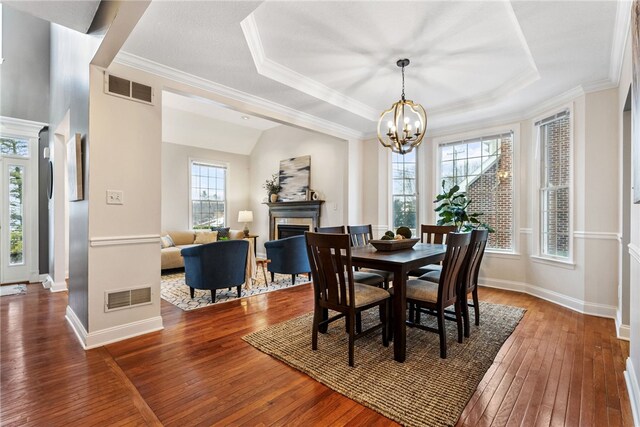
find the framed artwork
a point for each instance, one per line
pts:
(635, 98)
(294, 178)
(74, 168)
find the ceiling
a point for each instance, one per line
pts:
(76, 15)
(470, 61)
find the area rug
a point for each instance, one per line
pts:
(12, 290)
(173, 289)
(425, 390)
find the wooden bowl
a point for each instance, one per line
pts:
(393, 245)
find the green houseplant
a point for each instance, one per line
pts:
(273, 187)
(452, 210)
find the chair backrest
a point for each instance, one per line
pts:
(288, 255)
(435, 233)
(338, 229)
(457, 246)
(469, 275)
(332, 273)
(216, 265)
(360, 234)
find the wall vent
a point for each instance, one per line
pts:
(123, 88)
(125, 298)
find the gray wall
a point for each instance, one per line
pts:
(24, 75)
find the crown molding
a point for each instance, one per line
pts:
(281, 74)
(620, 33)
(274, 109)
(20, 127)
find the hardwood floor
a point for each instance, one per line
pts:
(558, 368)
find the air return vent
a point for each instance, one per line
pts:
(114, 85)
(125, 298)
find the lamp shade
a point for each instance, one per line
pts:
(245, 216)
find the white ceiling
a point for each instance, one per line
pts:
(75, 14)
(470, 61)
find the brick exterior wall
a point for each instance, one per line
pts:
(493, 196)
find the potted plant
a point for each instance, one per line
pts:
(452, 210)
(273, 187)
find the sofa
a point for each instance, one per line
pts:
(171, 258)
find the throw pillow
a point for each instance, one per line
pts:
(223, 232)
(166, 242)
(204, 237)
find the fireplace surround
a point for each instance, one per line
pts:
(281, 211)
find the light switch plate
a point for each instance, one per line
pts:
(115, 197)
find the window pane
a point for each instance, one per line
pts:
(207, 195)
(404, 192)
(16, 211)
(14, 147)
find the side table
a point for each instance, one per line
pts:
(262, 262)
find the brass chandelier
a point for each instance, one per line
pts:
(406, 122)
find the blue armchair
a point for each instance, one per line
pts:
(288, 256)
(216, 265)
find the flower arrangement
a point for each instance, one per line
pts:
(272, 185)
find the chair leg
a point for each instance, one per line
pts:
(293, 279)
(192, 292)
(239, 290)
(213, 295)
(317, 318)
(324, 313)
(465, 315)
(384, 314)
(443, 334)
(358, 322)
(476, 305)
(264, 273)
(412, 310)
(459, 319)
(418, 313)
(352, 334)
(273, 276)
(385, 284)
(390, 320)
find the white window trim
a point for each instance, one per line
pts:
(538, 256)
(495, 130)
(390, 192)
(214, 163)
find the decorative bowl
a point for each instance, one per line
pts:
(393, 245)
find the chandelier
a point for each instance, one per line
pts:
(405, 122)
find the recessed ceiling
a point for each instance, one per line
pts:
(470, 61)
(76, 15)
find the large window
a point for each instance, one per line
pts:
(208, 195)
(554, 138)
(404, 193)
(483, 168)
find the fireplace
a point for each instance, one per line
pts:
(302, 216)
(289, 230)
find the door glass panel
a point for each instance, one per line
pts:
(14, 147)
(16, 214)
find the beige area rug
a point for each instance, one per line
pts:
(424, 391)
(173, 289)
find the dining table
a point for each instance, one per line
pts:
(400, 263)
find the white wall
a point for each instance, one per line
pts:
(175, 183)
(328, 173)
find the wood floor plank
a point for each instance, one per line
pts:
(558, 367)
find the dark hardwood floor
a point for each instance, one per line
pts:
(558, 368)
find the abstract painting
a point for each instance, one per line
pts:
(635, 98)
(294, 178)
(74, 168)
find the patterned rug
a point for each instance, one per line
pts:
(425, 390)
(173, 289)
(7, 290)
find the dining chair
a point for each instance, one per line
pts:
(335, 289)
(366, 277)
(435, 234)
(360, 236)
(433, 298)
(468, 279)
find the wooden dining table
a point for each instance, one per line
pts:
(400, 263)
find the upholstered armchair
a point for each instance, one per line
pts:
(288, 256)
(216, 265)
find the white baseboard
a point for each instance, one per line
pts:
(114, 334)
(633, 390)
(622, 331)
(594, 309)
(58, 286)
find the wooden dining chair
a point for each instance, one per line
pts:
(360, 236)
(366, 277)
(437, 235)
(468, 279)
(335, 289)
(433, 298)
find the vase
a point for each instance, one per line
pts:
(274, 198)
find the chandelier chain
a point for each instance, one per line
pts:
(403, 82)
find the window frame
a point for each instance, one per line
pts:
(515, 171)
(538, 255)
(391, 194)
(213, 163)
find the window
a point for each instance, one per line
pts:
(208, 195)
(14, 147)
(483, 168)
(404, 194)
(554, 138)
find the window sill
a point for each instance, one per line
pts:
(504, 255)
(569, 265)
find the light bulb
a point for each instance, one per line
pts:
(406, 119)
(393, 128)
(408, 127)
(417, 124)
(389, 124)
